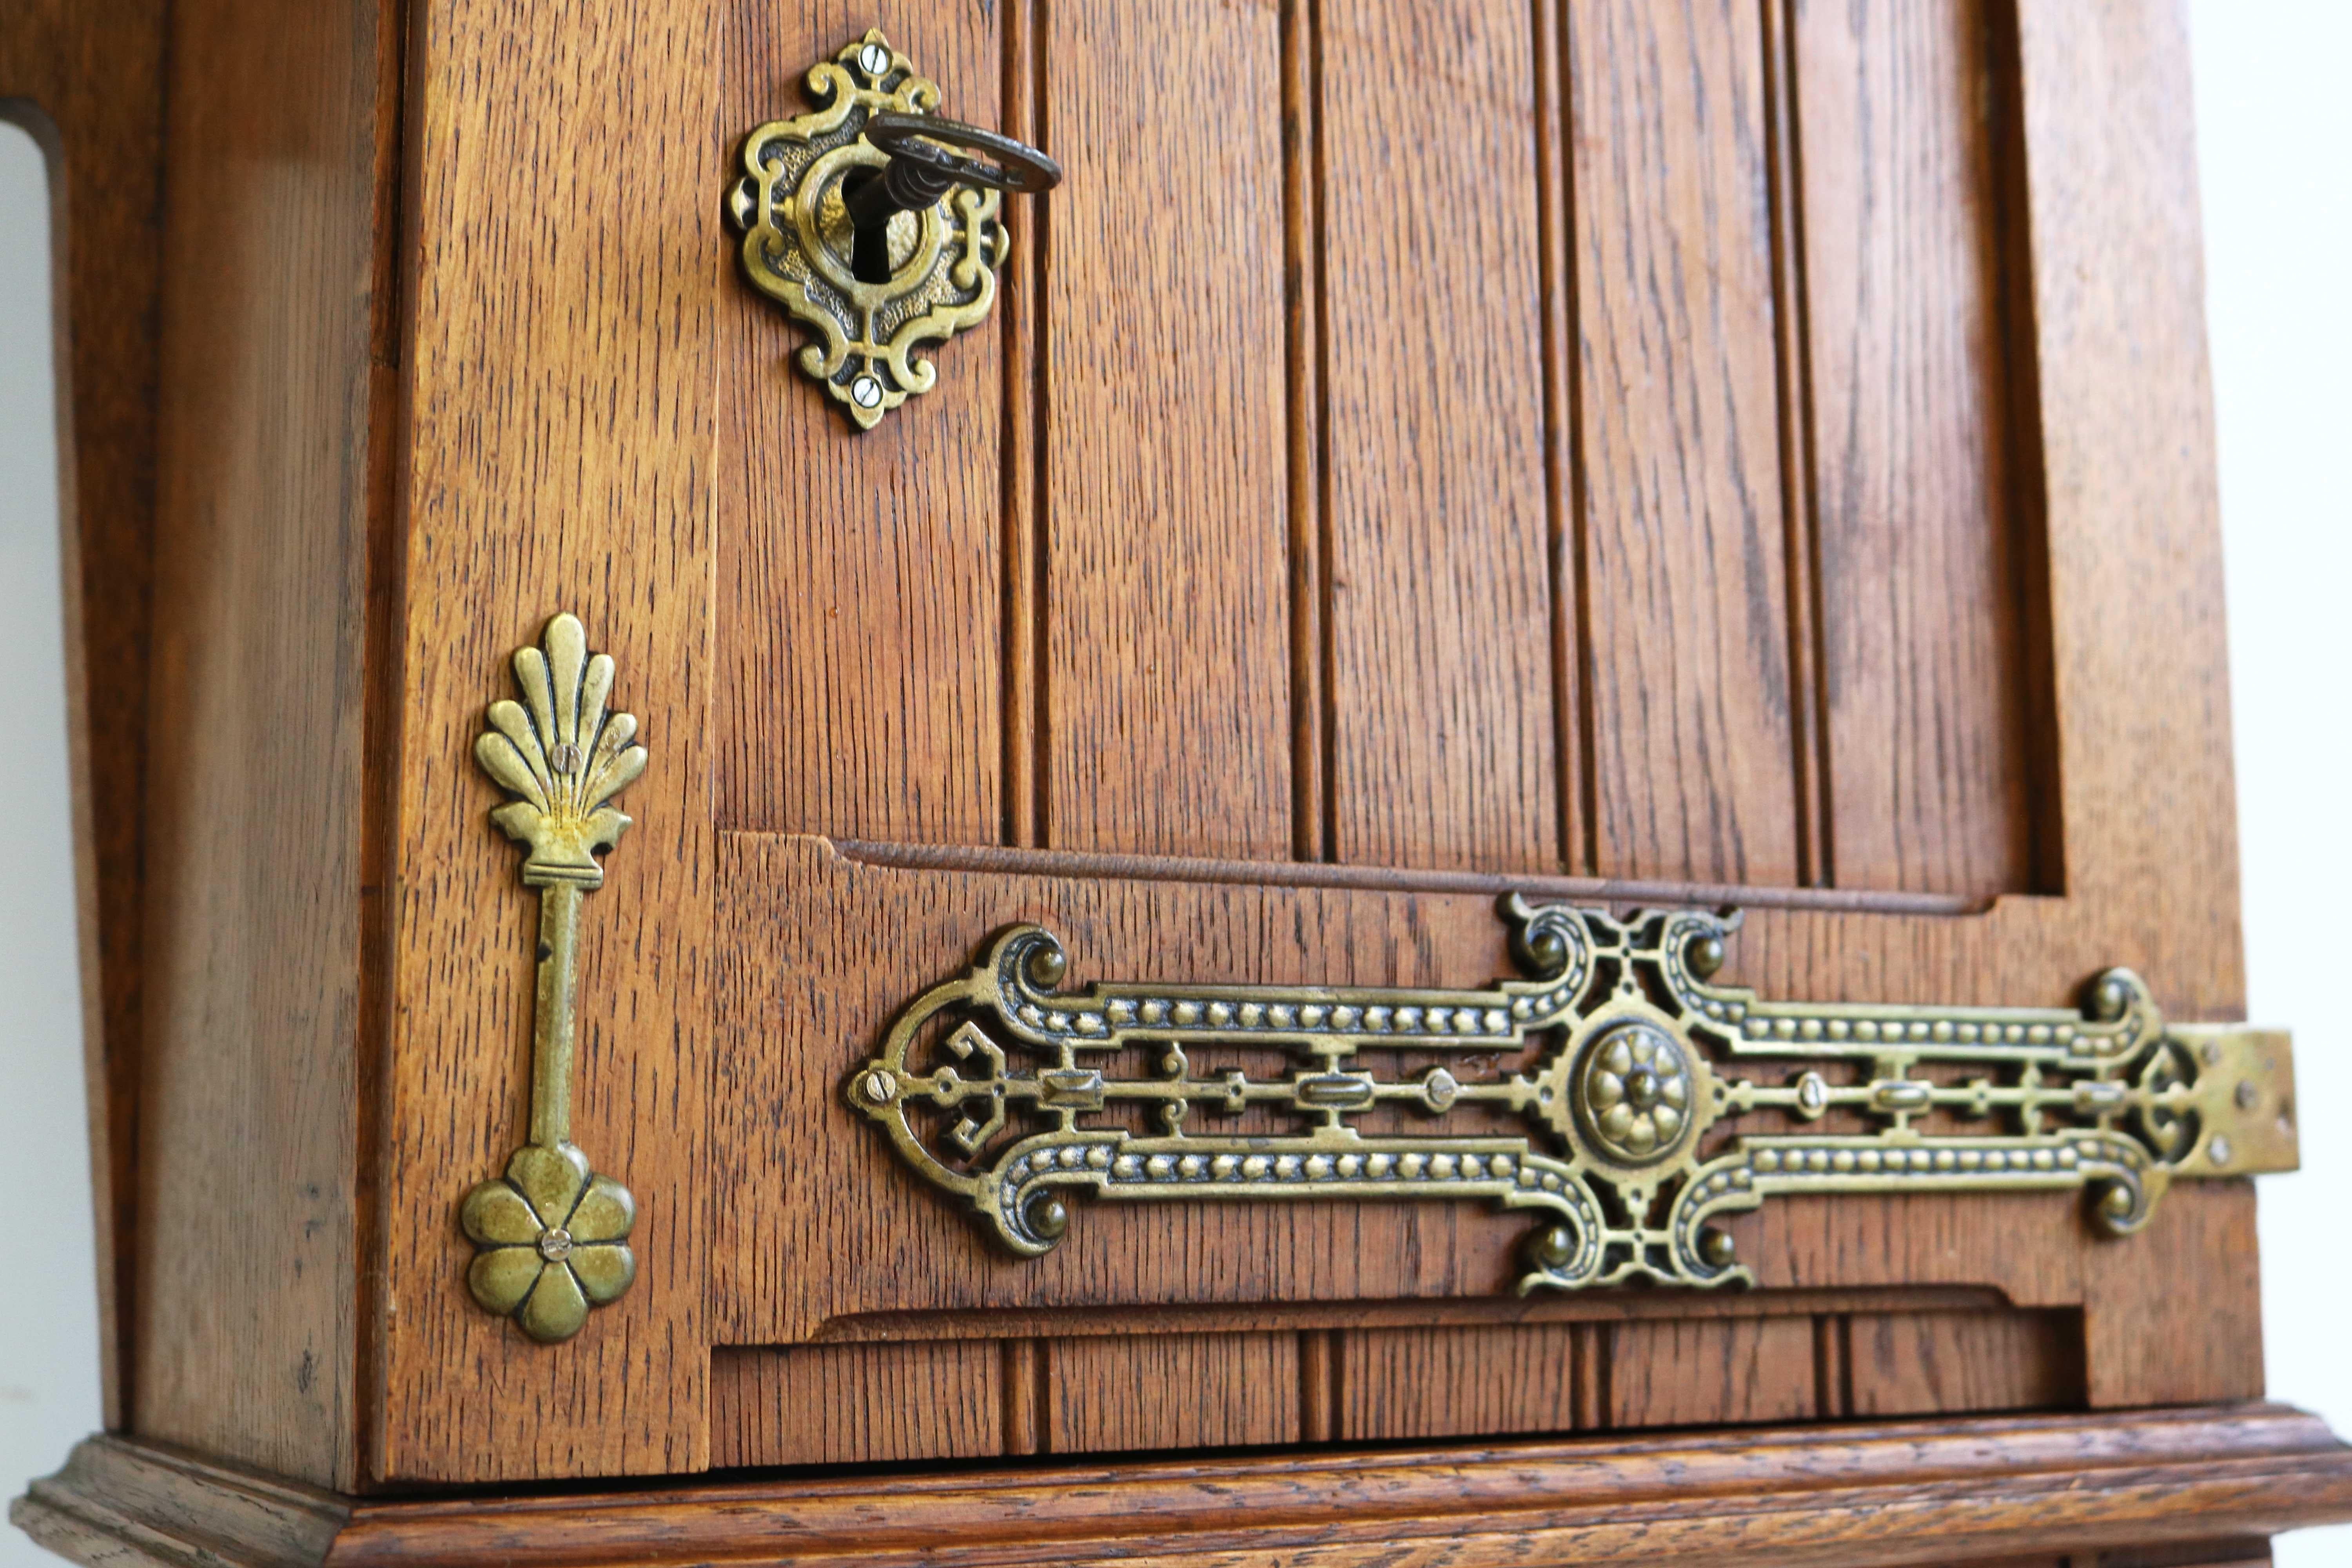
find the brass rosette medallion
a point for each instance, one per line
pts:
(799, 243)
(551, 1236)
(1595, 1093)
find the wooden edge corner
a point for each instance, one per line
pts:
(119, 1500)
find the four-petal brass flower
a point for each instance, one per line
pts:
(551, 1235)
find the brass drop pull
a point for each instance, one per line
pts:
(551, 1236)
(874, 223)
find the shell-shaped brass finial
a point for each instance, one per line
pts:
(563, 757)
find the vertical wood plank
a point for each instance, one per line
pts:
(1711, 1371)
(1023, 1382)
(1458, 1381)
(1166, 578)
(1173, 1391)
(561, 437)
(1021, 314)
(1443, 741)
(1686, 578)
(1950, 1364)
(1305, 299)
(247, 1312)
(859, 681)
(1913, 479)
(829, 1405)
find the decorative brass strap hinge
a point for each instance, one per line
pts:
(551, 1236)
(1617, 1094)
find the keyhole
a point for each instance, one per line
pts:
(869, 249)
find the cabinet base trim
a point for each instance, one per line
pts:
(1850, 1496)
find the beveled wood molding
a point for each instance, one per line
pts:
(1841, 1496)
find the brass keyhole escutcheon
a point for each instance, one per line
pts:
(877, 224)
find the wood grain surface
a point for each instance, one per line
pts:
(2136, 1491)
(1901, 110)
(1439, 608)
(251, 1227)
(1678, 429)
(1635, 493)
(858, 574)
(451, 339)
(560, 437)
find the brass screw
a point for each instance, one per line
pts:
(1705, 956)
(1549, 952)
(1554, 1248)
(1716, 1248)
(2117, 1200)
(1046, 967)
(1049, 1217)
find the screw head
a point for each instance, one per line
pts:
(1049, 1217)
(874, 59)
(2117, 1200)
(2219, 1150)
(1046, 966)
(865, 392)
(1547, 951)
(564, 757)
(879, 1088)
(1705, 956)
(1717, 1248)
(2249, 1095)
(555, 1246)
(1553, 1249)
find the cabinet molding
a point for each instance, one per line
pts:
(1862, 1497)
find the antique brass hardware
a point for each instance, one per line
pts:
(871, 220)
(551, 1236)
(1593, 1093)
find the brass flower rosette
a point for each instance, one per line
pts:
(1616, 1093)
(550, 1235)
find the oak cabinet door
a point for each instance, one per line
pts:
(1622, 455)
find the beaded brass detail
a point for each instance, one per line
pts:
(1591, 1093)
(549, 1234)
(799, 243)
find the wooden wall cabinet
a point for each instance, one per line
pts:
(1622, 454)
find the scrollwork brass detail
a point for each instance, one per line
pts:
(1593, 1093)
(551, 1236)
(799, 243)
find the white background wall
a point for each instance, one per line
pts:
(2275, 126)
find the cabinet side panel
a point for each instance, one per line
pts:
(246, 1317)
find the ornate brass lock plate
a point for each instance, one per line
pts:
(1616, 1094)
(799, 244)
